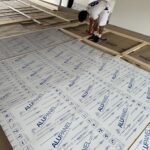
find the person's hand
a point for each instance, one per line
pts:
(90, 32)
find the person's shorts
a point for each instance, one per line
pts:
(95, 11)
(103, 17)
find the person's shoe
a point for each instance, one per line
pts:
(96, 39)
(91, 37)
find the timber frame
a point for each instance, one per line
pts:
(126, 55)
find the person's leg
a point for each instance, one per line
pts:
(102, 21)
(90, 28)
(100, 31)
(98, 35)
(95, 26)
(94, 29)
(91, 23)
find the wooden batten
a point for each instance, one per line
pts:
(140, 57)
(118, 43)
(135, 48)
(103, 48)
(127, 36)
(77, 30)
(115, 43)
(43, 10)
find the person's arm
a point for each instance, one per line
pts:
(109, 18)
(91, 23)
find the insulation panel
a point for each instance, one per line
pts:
(56, 86)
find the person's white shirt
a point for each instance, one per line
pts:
(97, 9)
(101, 10)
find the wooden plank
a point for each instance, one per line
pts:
(16, 4)
(10, 15)
(114, 45)
(13, 29)
(52, 21)
(142, 54)
(134, 48)
(63, 13)
(46, 22)
(33, 13)
(33, 16)
(39, 15)
(140, 57)
(137, 63)
(29, 26)
(3, 11)
(101, 47)
(129, 32)
(114, 41)
(48, 12)
(27, 16)
(29, 10)
(66, 13)
(14, 16)
(117, 42)
(3, 6)
(79, 30)
(127, 36)
(10, 21)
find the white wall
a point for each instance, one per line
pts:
(57, 2)
(133, 15)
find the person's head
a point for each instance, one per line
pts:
(82, 15)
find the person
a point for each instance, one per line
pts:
(98, 12)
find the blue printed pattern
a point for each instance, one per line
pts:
(70, 95)
(143, 142)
